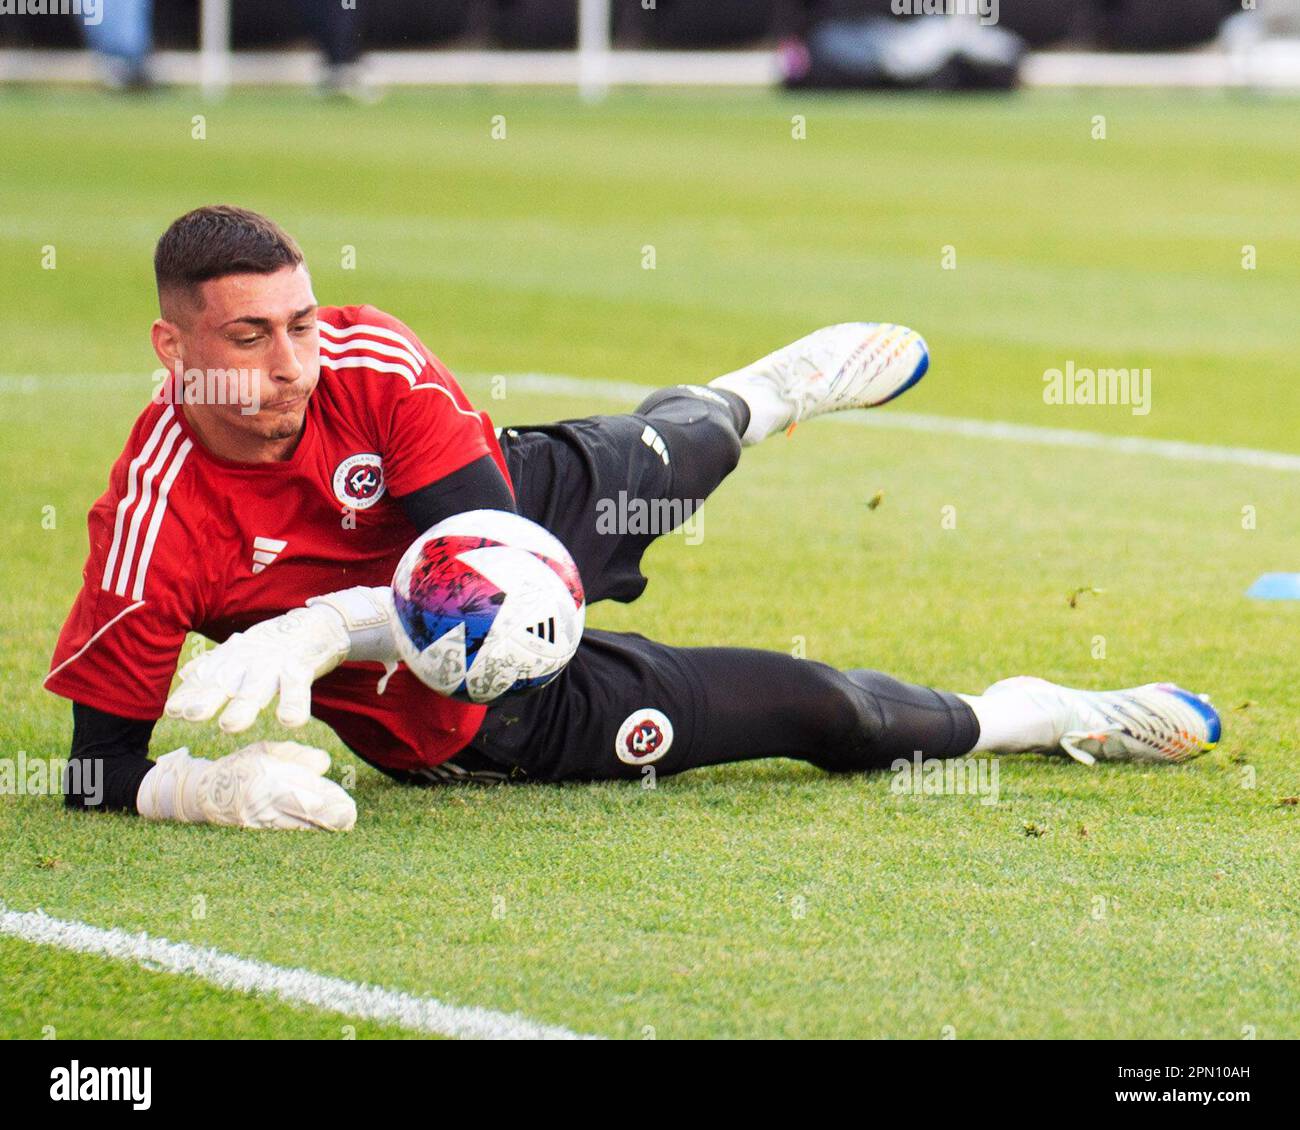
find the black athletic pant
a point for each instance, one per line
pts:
(625, 702)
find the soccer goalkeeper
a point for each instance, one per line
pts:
(268, 507)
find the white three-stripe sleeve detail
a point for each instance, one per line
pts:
(124, 506)
(340, 337)
(142, 508)
(404, 371)
(345, 348)
(336, 354)
(158, 511)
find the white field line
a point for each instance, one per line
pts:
(551, 384)
(554, 384)
(297, 986)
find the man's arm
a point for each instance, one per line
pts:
(111, 758)
(284, 655)
(476, 486)
(265, 785)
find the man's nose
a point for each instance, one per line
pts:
(285, 365)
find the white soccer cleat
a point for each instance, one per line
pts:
(1158, 722)
(851, 365)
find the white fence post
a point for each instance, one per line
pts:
(214, 47)
(593, 49)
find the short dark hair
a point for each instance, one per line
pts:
(218, 240)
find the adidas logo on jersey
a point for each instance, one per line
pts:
(266, 550)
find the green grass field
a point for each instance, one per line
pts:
(756, 900)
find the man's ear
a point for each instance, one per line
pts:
(166, 337)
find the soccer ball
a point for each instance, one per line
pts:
(488, 603)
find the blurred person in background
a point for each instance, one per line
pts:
(123, 40)
(336, 28)
(1253, 25)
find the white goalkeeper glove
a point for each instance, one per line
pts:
(264, 785)
(283, 656)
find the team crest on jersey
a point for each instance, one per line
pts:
(359, 481)
(645, 736)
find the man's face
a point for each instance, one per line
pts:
(261, 326)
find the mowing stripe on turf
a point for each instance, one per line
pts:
(297, 986)
(556, 384)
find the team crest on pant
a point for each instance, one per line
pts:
(359, 481)
(645, 736)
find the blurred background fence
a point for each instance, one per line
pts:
(598, 43)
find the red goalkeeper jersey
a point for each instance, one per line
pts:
(185, 541)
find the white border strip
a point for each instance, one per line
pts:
(297, 986)
(412, 68)
(1272, 65)
(551, 384)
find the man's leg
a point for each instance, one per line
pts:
(625, 703)
(608, 486)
